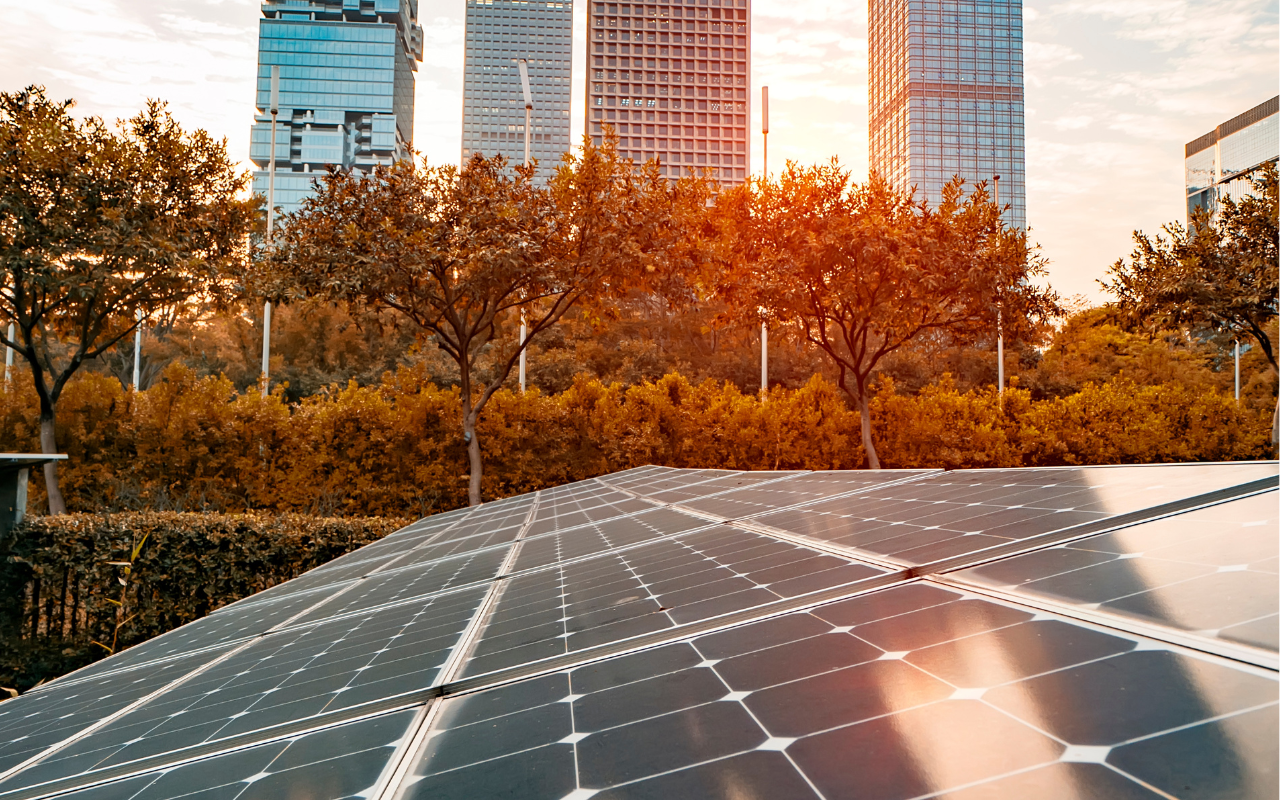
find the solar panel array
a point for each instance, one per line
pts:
(655, 633)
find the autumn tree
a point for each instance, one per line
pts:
(102, 228)
(860, 271)
(463, 253)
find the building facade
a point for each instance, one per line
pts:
(498, 33)
(673, 79)
(346, 89)
(1222, 162)
(946, 96)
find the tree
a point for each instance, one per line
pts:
(463, 253)
(1217, 276)
(102, 228)
(862, 270)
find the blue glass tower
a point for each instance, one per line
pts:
(946, 96)
(346, 89)
(499, 32)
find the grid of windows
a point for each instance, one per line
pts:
(946, 96)
(346, 89)
(499, 32)
(673, 81)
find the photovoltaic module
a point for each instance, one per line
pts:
(667, 633)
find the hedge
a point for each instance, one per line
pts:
(68, 596)
(396, 449)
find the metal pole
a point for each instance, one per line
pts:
(764, 358)
(271, 214)
(999, 317)
(764, 126)
(764, 329)
(1237, 370)
(137, 353)
(522, 65)
(8, 356)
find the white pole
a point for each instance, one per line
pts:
(137, 353)
(1237, 369)
(764, 358)
(764, 125)
(271, 213)
(8, 356)
(523, 67)
(999, 317)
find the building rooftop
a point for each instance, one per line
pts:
(1060, 632)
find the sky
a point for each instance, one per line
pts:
(1114, 90)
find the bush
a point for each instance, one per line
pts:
(62, 603)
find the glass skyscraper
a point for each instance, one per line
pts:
(498, 33)
(1222, 162)
(346, 89)
(673, 78)
(946, 96)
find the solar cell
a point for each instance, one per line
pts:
(558, 516)
(906, 692)
(942, 516)
(717, 485)
(1211, 572)
(648, 588)
(340, 762)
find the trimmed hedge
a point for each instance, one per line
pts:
(62, 578)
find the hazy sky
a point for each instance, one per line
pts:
(1114, 90)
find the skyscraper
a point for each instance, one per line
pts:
(946, 96)
(674, 80)
(346, 88)
(1222, 162)
(498, 33)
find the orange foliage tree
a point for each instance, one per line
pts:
(862, 270)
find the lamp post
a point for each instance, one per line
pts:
(999, 314)
(1237, 370)
(271, 213)
(137, 352)
(8, 357)
(523, 66)
(764, 329)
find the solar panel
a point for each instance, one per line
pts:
(1067, 632)
(942, 516)
(1210, 572)
(906, 692)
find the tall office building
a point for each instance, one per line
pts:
(1222, 162)
(346, 89)
(946, 96)
(498, 33)
(674, 80)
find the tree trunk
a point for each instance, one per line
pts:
(49, 446)
(473, 456)
(864, 411)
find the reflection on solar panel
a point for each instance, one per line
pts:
(1074, 632)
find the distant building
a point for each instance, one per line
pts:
(1221, 163)
(674, 80)
(498, 33)
(346, 89)
(946, 96)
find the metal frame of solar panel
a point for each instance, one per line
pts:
(1100, 631)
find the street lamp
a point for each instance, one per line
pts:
(523, 66)
(764, 329)
(271, 213)
(999, 313)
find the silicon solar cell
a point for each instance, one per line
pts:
(1118, 640)
(1212, 572)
